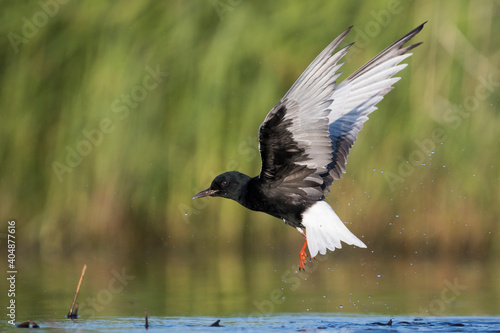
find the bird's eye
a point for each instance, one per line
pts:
(224, 183)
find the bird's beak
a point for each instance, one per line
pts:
(205, 193)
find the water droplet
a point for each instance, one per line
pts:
(378, 275)
(341, 306)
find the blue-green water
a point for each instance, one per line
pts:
(279, 323)
(350, 294)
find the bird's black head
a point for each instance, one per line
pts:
(229, 185)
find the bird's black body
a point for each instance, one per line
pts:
(305, 140)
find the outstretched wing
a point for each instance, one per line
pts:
(355, 98)
(305, 139)
(293, 139)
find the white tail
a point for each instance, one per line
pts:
(324, 230)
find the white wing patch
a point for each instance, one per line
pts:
(325, 231)
(358, 97)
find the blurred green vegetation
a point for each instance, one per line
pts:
(99, 157)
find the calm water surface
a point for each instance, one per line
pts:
(337, 292)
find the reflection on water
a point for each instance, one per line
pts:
(221, 286)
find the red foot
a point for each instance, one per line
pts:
(303, 255)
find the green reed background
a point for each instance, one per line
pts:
(422, 178)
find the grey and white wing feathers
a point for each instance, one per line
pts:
(305, 139)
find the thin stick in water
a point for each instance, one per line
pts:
(72, 314)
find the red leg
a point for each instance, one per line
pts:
(303, 255)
